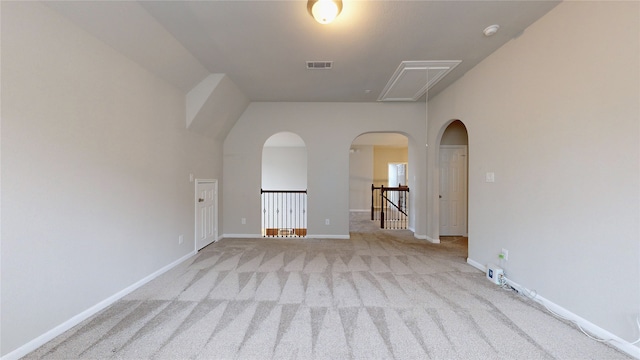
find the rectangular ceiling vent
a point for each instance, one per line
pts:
(319, 65)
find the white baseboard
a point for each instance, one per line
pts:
(77, 319)
(360, 210)
(419, 236)
(432, 240)
(254, 236)
(476, 265)
(241, 236)
(343, 237)
(425, 237)
(585, 324)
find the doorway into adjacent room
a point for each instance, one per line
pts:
(206, 212)
(453, 191)
(378, 179)
(284, 186)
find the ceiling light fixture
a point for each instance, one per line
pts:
(324, 11)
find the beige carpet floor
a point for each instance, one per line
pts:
(379, 295)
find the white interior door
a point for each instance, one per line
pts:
(206, 212)
(453, 190)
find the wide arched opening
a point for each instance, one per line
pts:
(284, 186)
(379, 180)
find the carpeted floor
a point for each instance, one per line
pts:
(379, 295)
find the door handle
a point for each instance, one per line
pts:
(200, 200)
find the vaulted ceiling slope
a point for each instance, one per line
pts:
(262, 46)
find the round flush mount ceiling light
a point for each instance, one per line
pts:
(491, 30)
(324, 11)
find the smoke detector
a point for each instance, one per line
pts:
(491, 30)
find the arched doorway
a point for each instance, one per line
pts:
(284, 186)
(453, 180)
(380, 160)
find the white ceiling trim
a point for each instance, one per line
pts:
(412, 79)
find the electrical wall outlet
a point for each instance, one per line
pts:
(327, 222)
(504, 254)
(243, 221)
(180, 239)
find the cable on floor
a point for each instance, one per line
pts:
(533, 294)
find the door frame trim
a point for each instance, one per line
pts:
(195, 210)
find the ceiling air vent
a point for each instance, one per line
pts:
(313, 65)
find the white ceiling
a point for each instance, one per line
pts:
(262, 46)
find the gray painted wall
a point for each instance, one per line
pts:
(555, 115)
(95, 172)
(284, 168)
(455, 134)
(95, 160)
(360, 177)
(328, 129)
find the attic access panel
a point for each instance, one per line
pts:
(412, 79)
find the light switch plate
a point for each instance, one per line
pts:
(491, 177)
